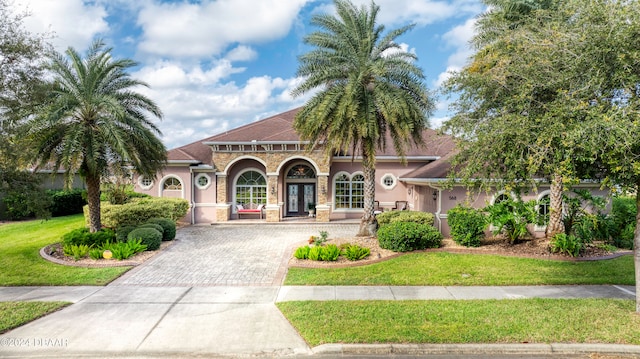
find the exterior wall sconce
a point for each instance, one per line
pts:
(323, 189)
(409, 191)
(273, 190)
(435, 195)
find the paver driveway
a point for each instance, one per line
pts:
(229, 255)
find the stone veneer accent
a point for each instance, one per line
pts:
(273, 160)
(223, 212)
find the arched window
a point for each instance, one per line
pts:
(251, 188)
(172, 183)
(544, 204)
(300, 172)
(349, 191)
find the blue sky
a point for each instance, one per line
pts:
(213, 65)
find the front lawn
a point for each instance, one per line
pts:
(466, 321)
(469, 269)
(15, 314)
(20, 260)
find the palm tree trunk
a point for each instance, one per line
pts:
(636, 246)
(93, 199)
(555, 224)
(368, 224)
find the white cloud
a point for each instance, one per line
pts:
(241, 53)
(207, 28)
(197, 104)
(436, 122)
(422, 12)
(458, 40)
(74, 22)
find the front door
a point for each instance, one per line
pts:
(299, 195)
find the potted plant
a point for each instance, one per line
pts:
(312, 209)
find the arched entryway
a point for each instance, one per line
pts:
(300, 189)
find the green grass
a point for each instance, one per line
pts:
(15, 314)
(469, 269)
(20, 260)
(473, 321)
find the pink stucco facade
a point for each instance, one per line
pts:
(265, 166)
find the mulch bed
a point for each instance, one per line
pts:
(55, 254)
(533, 248)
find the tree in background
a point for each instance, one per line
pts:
(554, 94)
(523, 91)
(610, 138)
(94, 121)
(368, 90)
(21, 73)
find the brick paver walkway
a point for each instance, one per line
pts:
(229, 255)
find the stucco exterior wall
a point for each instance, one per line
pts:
(385, 195)
(449, 198)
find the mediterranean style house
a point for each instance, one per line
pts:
(263, 170)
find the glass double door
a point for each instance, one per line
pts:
(299, 195)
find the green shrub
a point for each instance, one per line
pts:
(329, 253)
(408, 236)
(148, 236)
(124, 250)
(315, 253)
(83, 236)
(512, 217)
(354, 252)
(302, 252)
(76, 251)
(623, 216)
(566, 244)
(64, 203)
(22, 195)
(386, 218)
(168, 226)
(625, 238)
(467, 225)
(140, 210)
(95, 253)
(155, 226)
(123, 232)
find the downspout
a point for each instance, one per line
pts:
(193, 204)
(439, 205)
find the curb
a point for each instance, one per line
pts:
(474, 349)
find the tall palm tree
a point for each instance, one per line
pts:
(368, 90)
(94, 122)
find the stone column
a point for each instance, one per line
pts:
(272, 209)
(322, 208)
(223, 209)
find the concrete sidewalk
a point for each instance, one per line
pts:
(240, 321)
(241, 294)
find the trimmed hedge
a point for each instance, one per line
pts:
(140, 210)
(123, 232)
(65, 203)
(148, 236)
(168, 228)
(467, 225)
(408, 236)
(386, 218)
(155, 226)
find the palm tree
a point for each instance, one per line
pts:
(368, 90)
(94, 122)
